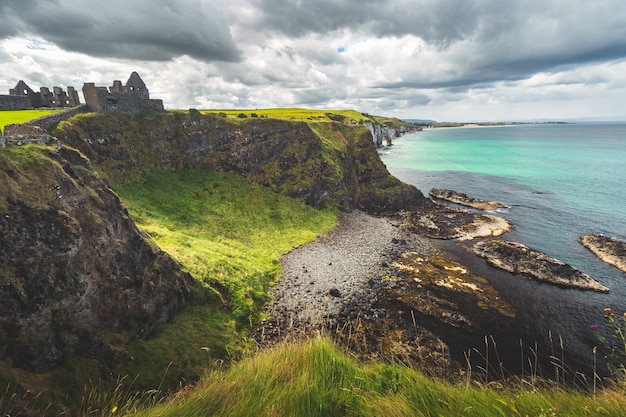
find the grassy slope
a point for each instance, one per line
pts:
(315, 379)
(219, 227)
(224, 230)
(229, 235)
(8, 117)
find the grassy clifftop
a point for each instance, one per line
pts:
(324, 163)
(313, 378)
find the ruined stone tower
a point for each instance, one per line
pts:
(131, 98)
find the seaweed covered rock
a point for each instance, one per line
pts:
(520, 259)
(464, 200)
(608, 249)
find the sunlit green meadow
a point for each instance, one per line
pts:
(8, 117)
(224, 230)
(230, 236)
(293, 114)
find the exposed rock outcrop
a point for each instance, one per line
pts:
(441, 222)
(610, 250)
(464, 200)
(382, 290)
(73, 265)
(341, 169)
(520, 259)
(384, 135)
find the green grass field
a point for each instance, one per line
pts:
(312, 117)
(8, 117)
(224, 230)
(294, 114)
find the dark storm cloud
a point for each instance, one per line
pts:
(438, 22)
(484, 40)
(154, 30)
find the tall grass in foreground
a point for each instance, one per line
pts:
(313, 378)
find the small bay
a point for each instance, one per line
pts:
(560, 181)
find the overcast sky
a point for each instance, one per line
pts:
(447, 60)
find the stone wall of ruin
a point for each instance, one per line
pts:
(15, 103)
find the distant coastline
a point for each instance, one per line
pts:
(465, 126)
(452, 125)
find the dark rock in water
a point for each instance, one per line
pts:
(610, 250)
(464, 200)
(520, 259)
(437, 221)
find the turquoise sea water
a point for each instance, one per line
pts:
(560, 182)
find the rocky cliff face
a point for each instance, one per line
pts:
(335, 164)
(384, 135)
(74, 267)
(73, 264)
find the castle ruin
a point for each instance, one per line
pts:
(22, 97)
(131, 98)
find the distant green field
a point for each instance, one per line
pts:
(8, 117)
(351, 116)
(347, 117)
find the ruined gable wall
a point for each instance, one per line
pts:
(131, 98)
(100, 100)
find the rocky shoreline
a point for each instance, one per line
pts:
(380, 286)
(465, 200)
(610, 250)
(364, 285)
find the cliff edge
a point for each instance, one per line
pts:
(74, 267)
(321, 163)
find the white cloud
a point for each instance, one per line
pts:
(452, 60)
